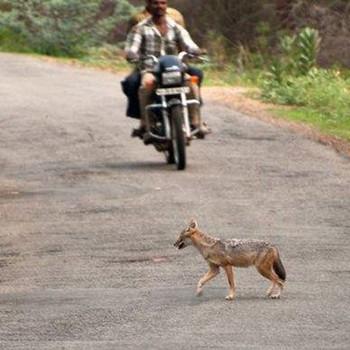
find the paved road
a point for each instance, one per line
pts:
(88, 217)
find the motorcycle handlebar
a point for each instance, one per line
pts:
(153, 60)
(199, 57)
(181, 56)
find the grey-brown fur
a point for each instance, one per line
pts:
(234, 253)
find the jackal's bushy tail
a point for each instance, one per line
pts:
(279, 268)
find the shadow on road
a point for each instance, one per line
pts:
(142, 166)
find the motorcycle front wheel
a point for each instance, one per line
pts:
(177, 150)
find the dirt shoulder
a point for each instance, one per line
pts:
(237, 98)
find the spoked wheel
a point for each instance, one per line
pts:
(178, 147)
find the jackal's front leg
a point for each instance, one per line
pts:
(231, 281)
(213, 271)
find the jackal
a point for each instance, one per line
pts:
(235, 252)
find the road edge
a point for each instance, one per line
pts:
(236, 97)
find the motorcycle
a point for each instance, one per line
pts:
(167, 119)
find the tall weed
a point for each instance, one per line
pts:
(294, 79)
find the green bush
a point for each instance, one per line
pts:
(293, 79)
(60, 27)
(322, 97)
(11, 40)
(321, 89)
(293, 72)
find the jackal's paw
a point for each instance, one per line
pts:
(275, 296)
(269, 291)
(199, 292)
(230, 297)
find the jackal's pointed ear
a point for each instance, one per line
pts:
(193, 224)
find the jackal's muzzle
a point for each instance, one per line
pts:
(180, 244)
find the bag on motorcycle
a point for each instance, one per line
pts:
(133, 108)
(124, 84)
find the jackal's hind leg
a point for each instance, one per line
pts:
(270, 289)
(274, 292)
(213, 271)
(266, 270)
(277, 290)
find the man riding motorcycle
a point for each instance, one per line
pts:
(159, 35)
(132, 82)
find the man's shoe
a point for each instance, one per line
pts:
(138, 132)
(203, 130)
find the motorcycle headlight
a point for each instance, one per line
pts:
(171, 78)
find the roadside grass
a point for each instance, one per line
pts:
(321, 99)
(229, 76)
(339, 127)
(106, 57)
(13, 42)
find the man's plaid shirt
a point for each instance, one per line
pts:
(145, 39)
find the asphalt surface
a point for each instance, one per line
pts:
(88, 217)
